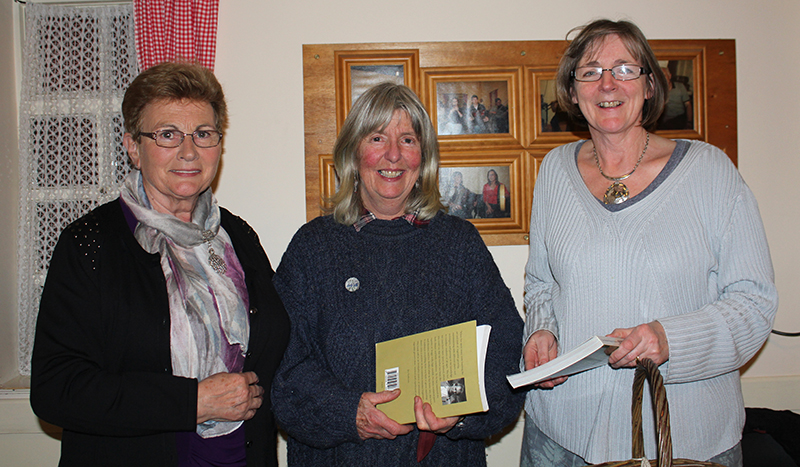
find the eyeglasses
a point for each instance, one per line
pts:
(624, 72)
(174, 138)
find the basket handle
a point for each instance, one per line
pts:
(646, 368)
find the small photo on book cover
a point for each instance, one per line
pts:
(453, 391)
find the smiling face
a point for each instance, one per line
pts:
(389, 166)
(611, 106)
(173, 178)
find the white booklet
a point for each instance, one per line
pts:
(591, 354)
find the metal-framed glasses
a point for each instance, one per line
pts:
(174, 138)
(624, 72)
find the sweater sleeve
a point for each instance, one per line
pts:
(309, 402)
(77, 380)
(723, 335)
(489, 300)
(539, 281)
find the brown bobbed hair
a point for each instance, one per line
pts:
(588, 39)
(373, 111)
(173, 81)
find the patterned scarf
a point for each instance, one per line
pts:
(209, 328)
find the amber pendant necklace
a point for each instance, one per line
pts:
(618, 193)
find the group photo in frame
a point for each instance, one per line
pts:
(481, 192)
(472, 107)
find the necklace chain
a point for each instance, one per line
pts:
(618, 193)
(618, 179)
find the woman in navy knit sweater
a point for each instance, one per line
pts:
(387, 263)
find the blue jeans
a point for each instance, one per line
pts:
(538, 450)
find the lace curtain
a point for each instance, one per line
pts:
(77, 63)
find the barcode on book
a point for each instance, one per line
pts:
(391, 378)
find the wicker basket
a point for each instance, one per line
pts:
(647, 369)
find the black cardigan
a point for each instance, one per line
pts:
(101, 365)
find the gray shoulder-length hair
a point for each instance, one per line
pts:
(589, 37)
(372, 112)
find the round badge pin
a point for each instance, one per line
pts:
(352, 284)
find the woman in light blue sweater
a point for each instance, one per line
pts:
(657, 241)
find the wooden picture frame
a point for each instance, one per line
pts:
(356, 71)
(523, 70)
(540, 84)
(513, 172)
(474, 87)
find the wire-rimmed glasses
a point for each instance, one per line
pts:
(624, 72)
(174, 138)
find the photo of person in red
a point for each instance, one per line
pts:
(496, 197)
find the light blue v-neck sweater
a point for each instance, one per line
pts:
(692, 254)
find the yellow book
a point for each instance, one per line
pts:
(443, 366)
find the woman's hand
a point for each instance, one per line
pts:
(541, 348)
(228, 397)
(427, 420)
(644, 341)
(371, 423)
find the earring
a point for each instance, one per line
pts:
(355, 184)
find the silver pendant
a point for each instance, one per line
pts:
(617, 193)
(216, 262)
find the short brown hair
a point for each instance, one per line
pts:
(588, 38)
(173, 81)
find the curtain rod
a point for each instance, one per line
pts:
(78, 3)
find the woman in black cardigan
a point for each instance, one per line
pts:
(159, 330)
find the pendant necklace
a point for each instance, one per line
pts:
(618, 193)
(216, 262)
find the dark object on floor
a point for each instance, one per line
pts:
(771, 438)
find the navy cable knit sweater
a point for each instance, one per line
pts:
(411, 279)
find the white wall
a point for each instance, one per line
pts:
(260, 64)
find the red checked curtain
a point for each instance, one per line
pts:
(175, 30)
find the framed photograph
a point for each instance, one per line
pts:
(459, 113)
(359, 70)
(363, 77)
(491, 190)
(476, 192)
(471, 105)
(679, 113)
(328, 183)
(549, 124)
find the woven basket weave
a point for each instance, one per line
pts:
(646, 369)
